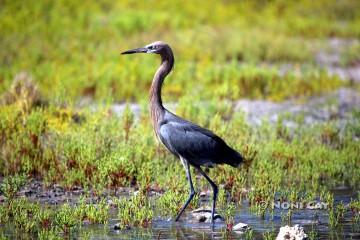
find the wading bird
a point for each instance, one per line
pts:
(194, 145)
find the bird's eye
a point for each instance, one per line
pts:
(151, 47)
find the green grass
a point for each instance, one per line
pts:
(105, 151)
(74, 49)
(135, 212)
(46, 222)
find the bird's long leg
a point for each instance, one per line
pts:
(215, 192)
(192, 191)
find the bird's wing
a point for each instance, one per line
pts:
(197, 145)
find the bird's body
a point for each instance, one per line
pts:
(199, 146)
(191, 143)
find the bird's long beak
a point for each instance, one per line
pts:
(136, 50)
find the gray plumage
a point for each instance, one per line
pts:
(199, 146)
(191, 143)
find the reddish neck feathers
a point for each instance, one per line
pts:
(156, 108)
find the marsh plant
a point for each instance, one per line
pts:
(286, 217)
(269, 235)
(336, 215)
(49, 234)
(134, 212)
(228, 214)
(313, 235)
(47, 222)
(94, 213)
(355, 210)
(170, 202)
(66, 219)
(11, 185)
(249, 235)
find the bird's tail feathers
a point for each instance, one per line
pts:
(234, 158)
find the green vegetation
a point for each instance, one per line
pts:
(98, 151)
(73, 49)
(171, 202)
(313, 234)
(10, 186)
(46, 222)
(135, 211)
(269, 236)
(56, 55)
(104, 151)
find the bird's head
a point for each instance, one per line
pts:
(155, 47)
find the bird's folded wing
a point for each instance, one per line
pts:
(191, 142)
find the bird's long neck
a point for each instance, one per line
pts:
(156, 107)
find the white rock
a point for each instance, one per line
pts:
(291, 233)
(241, 227)
(204, 194)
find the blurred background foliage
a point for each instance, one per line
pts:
(72, 48)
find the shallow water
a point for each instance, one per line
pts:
(168, 229)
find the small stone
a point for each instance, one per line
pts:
(58, 195)
(117, 227)
(76, 188)
(246, 190)
(154, 193)
(87, 222)
(26, 192)
(204, 215)
(53, 202)
(204, 194)
(43, 195)
(242, 227)
(78, 192)
(291, 233)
